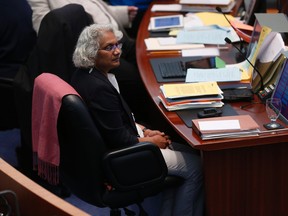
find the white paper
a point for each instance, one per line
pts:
(166, 7)
(167, 41)
(218, 75)
(153, 44)
(219, 125)
(206, 2)
(201, 52)
(192, 21)
(271, 49)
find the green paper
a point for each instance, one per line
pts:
(219, 63)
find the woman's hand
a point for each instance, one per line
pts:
(162, 141)
(132, 12)
(150, 133)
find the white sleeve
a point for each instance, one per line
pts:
(40, 8)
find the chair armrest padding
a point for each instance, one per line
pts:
(137, 166)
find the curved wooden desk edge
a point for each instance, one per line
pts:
(33, 199)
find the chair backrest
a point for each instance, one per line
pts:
(57, 37)
(81, 151)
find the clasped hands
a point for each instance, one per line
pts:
(157, 137)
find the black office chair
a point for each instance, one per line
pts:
(17, 39)
(106, 179)
(114, 179)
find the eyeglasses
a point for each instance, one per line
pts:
(113, 47)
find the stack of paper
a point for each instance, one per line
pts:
(207, 5)
(164, 44)
(190, 95)
(207, 2)
(225, 127)
(192, 7)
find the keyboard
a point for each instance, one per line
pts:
(172, 69)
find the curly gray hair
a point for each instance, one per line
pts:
(88, 44)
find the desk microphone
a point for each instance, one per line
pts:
(240, 39)
(244, 56)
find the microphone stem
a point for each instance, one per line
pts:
(261, 78)
(240, 40)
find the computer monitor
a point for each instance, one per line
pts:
(281, 90)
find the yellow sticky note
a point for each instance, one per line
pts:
(210, 18)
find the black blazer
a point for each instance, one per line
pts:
(109, 111)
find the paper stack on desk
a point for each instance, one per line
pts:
(225, 127)
(164, 44)
(207, 5)
(190, 95)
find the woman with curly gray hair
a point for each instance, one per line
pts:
(87, 50)
(97, 52)
(88, 44)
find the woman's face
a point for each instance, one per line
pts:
(108, 56)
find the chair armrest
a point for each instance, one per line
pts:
(138, 166)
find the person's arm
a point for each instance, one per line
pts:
(124, 14)
(40, 8)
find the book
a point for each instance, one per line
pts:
(177, 101)
(207, 2)
(182, 104)
(192, 105)
(225, 127)
(190, 96)
(184, 90)
(192, 8)
(207, 8)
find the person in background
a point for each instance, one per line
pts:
(128, 76)
(142, 7)
(120, 16)
(17, 39)
(282, 6)
(97, 52)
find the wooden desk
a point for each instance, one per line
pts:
(243, 177)
(32, 198)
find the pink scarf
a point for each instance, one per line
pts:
(48, 92)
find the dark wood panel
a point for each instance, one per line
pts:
(247, 181)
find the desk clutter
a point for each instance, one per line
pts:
(193, 31)
(190, 95)
(200, 33)
(185, 54)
